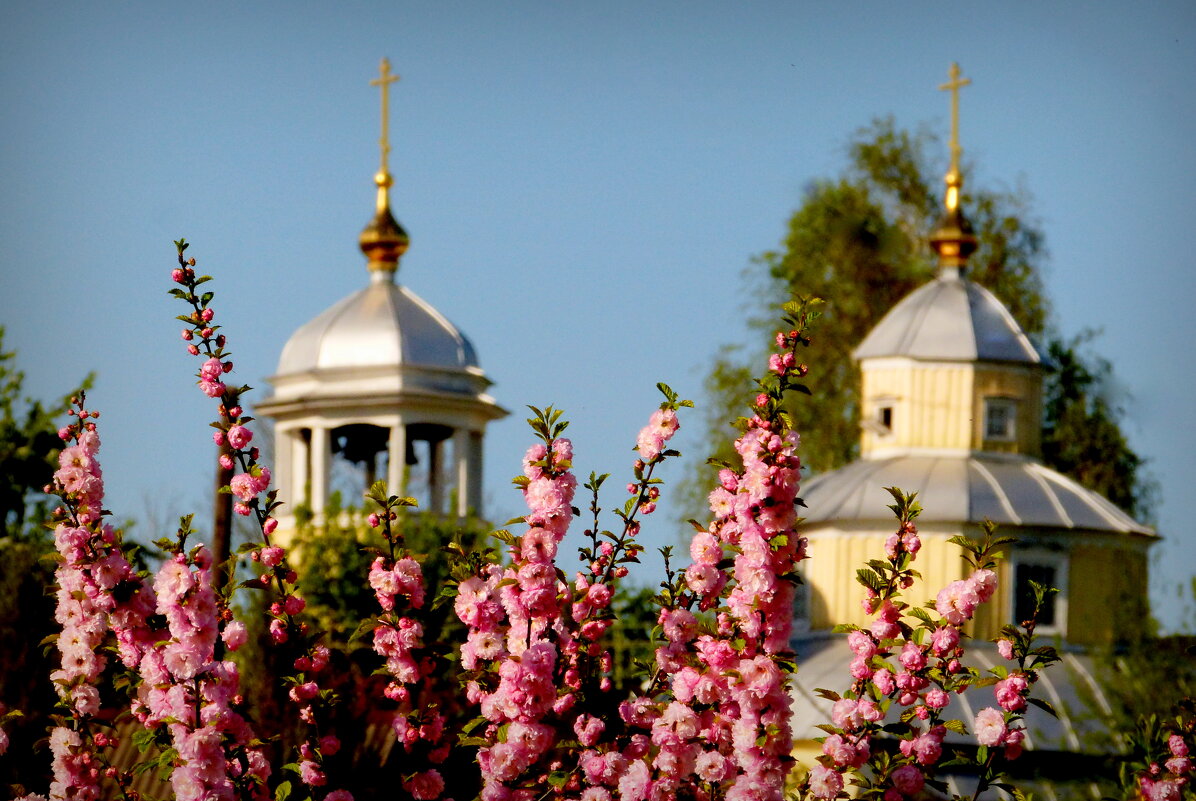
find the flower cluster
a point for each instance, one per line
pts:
(914, 666)
(98, 591)
(250, 480)
(1168, 781)
(724, 721)
(398, 584)
(191, 693)
(513, 653)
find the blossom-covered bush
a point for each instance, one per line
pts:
(710, 719)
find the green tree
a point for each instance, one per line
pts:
(860, 241)
(1081, 435)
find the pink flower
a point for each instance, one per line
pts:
(1177, 746)
(825, 783)
(1165, 790)
(272, 556)
(235, 635)
(990, 727)
(944, 640)
(957, 602)
(1176, 765)
(1005, 649)
(937, 699)
(908, 779)
(425, 786)
(239, 437)
(310, 773)
(984, 583)
(1010, 692)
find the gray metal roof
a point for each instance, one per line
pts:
(951, 319)
(384, 324)
(964, 488)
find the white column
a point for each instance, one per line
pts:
(296, 488)
(436, 477)
(284, 466)
(321, 466)
(461, 476)
(396, 464)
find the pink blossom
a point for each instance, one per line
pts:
(1161, 790)
(1177, 746)
(1178, 765)
(990, 727)
(825, 783)
(907, 779)
(957, 602)
(1010, 692)
(425, 785)
(1005, 648)
(984, 583)
(944, 640)
(239, 437)
(272, 555)
(310, 773)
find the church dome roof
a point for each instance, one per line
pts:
(950, 319)
(964, 488)
(383, 325)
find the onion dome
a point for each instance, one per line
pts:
(384, 324)
(950, 319)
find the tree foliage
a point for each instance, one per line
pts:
(860, 241)
(29, 445)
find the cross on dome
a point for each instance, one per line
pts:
(383, 178)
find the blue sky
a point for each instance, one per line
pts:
(584, 185)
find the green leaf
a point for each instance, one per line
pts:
(1044, 706)
(283, 791)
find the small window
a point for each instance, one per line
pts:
(1000, 419)
(884, 416)
(1048, 570)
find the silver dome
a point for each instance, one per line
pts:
(951, 319)
(383, 325)
(964, 488)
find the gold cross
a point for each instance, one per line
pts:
(953, 86)
(383, 81)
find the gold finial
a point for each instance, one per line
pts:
(954, 240)
(954, 177)
(384, 241)
(382, 179)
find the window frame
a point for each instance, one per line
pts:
(1041, 557)
(1010, 407)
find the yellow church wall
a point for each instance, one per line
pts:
(932, 404)
(835, 557)
(1023, 385)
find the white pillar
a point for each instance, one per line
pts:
(321, 465)
(436, 477)
(461, 473)
(300, 469)
(396, 463)
(284, 465)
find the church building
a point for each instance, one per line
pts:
(952, 409)
(379, 386)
